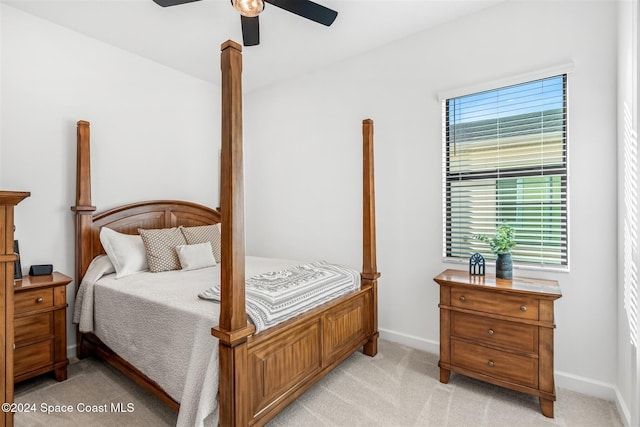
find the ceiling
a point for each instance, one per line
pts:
(188, 37)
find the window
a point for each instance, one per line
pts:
(630, 224)
(505, 160)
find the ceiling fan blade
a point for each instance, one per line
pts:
(250, 31)
(165, 3)
(307, 9)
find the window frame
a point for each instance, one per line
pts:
(537, 171)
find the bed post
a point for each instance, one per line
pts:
(233, 329)
(370, 272)
(83, 210)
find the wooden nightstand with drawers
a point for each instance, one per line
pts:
(40, 326)
(499, 331)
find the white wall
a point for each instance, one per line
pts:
(303, 155)
(303, 167)
(628, 360)
(1, 121)
(155, 132)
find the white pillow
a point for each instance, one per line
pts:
(125, 251)
(193, 257)
(202, 234)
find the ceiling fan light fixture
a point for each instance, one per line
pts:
(248, 8)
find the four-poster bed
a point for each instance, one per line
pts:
(259, 373)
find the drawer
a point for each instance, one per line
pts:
(32, 357)
(501, 333)
(495, 363)
(33, 327)
(513, 305)
(36, 299)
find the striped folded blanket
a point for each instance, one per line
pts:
(277, 296)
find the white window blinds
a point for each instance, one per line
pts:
(505, 160)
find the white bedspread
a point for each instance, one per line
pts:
(157, 323)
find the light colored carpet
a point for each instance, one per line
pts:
(398, 387)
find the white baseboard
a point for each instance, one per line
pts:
(410, 341)
(585, 385)
(622, 408)
(71, 352)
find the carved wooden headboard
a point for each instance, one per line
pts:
(151, 214)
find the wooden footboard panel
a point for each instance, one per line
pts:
(277, 365)
(344, 326)
(287, 360)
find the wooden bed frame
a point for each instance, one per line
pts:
(260, 374)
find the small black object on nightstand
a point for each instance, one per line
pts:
(41, 270)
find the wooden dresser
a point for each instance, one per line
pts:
(499, 331)
(40, 331)
(8, 201)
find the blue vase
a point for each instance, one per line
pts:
(504, 266)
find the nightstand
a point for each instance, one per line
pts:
(40, 326)
(499, 331)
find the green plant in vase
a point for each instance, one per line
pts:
(501, 244)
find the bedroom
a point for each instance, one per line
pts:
(52, 77)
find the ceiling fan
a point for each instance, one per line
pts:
(250, 9)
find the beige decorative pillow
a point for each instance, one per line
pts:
(202, 234)
(160, 245)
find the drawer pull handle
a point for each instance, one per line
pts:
(490, 332)
(490, 363)
(39, 300)
(461, 298)
(523, 308)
